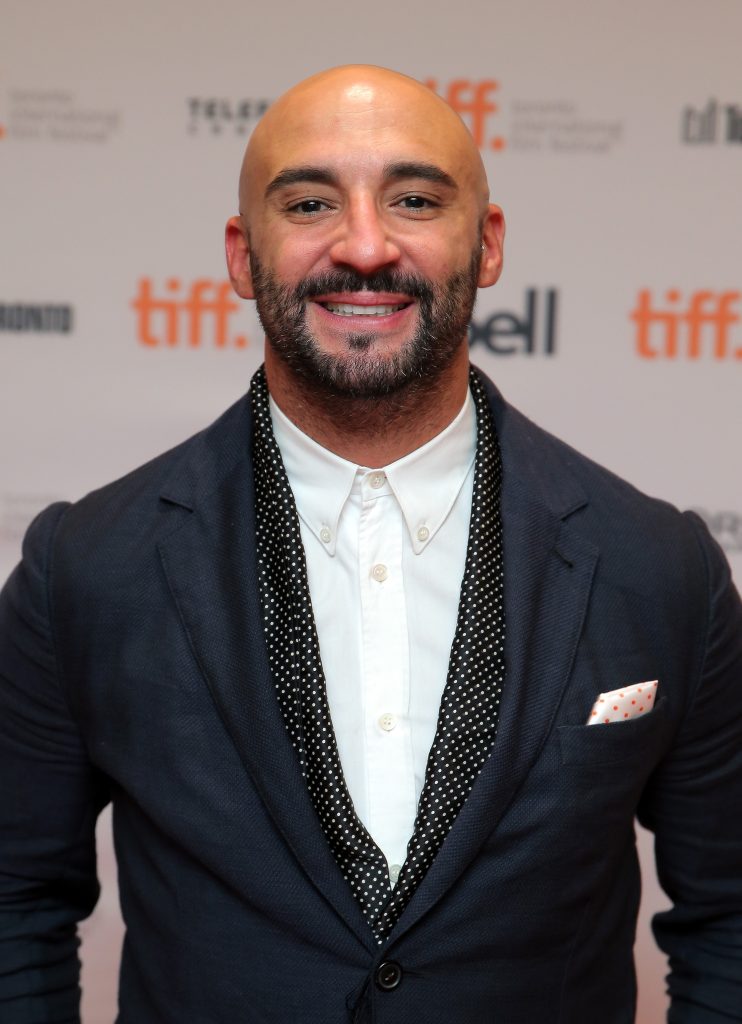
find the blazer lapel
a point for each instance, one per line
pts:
(548, 575)
(209, 562)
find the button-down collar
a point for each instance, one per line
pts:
(425, 483)
(320, 480)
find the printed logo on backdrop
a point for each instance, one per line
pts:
(36, 318)
(726, 526)
(213, 116)
(713, 124)
(528, 125)
(701, 324)
(187, 314)
(201, 314)
(476, 102)
(56, 115)
(530, 332)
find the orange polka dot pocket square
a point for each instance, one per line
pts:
(622, 705)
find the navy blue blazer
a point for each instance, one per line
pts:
(133, 669)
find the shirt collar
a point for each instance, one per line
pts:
(320, 480)
(426, 482)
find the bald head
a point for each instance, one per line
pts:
(365, 229)
(360, 105)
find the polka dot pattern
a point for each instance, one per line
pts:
(296, 668)
(620, 705)
(468, 715)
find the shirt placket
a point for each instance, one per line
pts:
(388, 746)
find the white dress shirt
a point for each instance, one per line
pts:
(385, 551)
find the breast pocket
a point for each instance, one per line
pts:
(639, 740)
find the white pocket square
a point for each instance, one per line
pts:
(621, 705)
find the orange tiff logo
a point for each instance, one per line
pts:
(686, 328)
(473, 102)
(185, 316)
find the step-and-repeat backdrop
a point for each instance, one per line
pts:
(613, 139)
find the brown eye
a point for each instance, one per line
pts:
(308, 207)
(415, 203)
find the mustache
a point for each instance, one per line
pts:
(352, 281)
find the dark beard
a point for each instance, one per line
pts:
(444, 315)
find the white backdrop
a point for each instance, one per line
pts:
(613, 139)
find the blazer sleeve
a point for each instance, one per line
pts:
(694, 807)
(50, 797)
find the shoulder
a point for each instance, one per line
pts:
(108, 540)
(137, 502)
(637, 535)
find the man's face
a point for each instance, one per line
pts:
(365, 365)
(363, 220)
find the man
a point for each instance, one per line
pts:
(334, 659)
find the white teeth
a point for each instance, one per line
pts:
(346, 309)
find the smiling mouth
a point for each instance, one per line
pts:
(348, 309)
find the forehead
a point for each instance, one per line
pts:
(360, 129)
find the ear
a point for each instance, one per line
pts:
(493, 236)
(238, 258)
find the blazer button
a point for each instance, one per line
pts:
(388, 976)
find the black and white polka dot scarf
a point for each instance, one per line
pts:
(468, 715)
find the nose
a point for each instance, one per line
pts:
(363, 241)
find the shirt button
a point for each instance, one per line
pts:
(379, 572)
(325, 535)
(394, 870)
(377, 480)
(423, 533)
(388, 722)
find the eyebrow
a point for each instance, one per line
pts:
(294, 175)
(392, 172)
(413, 169)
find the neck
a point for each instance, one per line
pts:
(371, 432)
